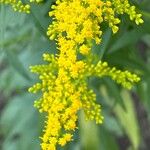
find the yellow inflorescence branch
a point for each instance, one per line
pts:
(17, 5)
(76, 24)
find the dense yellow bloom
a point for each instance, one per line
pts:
(65, 91)
(82, 18)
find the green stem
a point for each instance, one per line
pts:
(2, 30)
(146, 14)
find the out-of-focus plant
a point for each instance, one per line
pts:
(72, 71)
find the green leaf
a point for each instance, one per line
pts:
(95, 138)
(20, 124)
(111, 124)
(107, 140)
(128, 119)
(16, 64)
(89, 134)
(39, 13)
(100, 49)
(126, 39)
(114, 91)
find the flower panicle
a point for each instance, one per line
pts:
(62, 105)
(63, 79)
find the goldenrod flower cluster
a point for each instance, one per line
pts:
(82, 18)
(64, 87)
(17, 5)
(65, 92)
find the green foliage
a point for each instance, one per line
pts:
(20, 124)
(23, 40)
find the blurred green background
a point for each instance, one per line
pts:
(126, 125)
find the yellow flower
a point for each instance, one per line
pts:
(65, 92)
(67, 137)
(76, 26)
(84, 49)
(64, 87)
